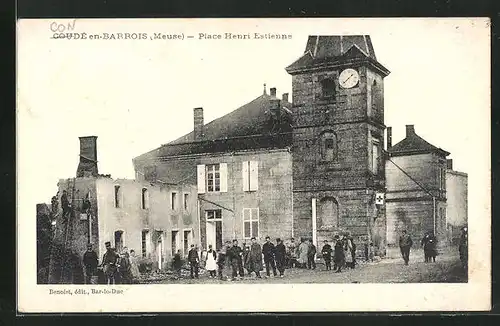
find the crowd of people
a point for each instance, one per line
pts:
(235, 262)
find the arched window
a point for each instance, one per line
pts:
(328, 88)
(145, 199)
(328, 212)
(329, 147)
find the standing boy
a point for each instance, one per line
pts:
(326, 252)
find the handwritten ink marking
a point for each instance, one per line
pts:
(57, 27)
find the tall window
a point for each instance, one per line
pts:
(329, 148)
(250, 222)
(173, 201)
(213, 178)
(328, 88)
(250, 175)
(117, 196)
(144, 243)
(118, 241)
(145, 199)
(375, 157)
(186, 202)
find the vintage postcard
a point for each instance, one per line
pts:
(239, 165)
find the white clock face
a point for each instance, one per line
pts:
(348, 78)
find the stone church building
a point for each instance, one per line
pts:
(273, 168)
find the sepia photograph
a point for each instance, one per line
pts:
(195, 159)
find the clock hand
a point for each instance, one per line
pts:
(348, 78)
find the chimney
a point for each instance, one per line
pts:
(88, 157)
(273, 91)
(389, 137)
(276, 108)
(410, 130)
(449, 164)
(198, 123)
(285, 97)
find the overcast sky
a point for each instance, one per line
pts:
(137, 94)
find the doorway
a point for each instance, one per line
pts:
(214, 229)
(175, 240)
(187, 240)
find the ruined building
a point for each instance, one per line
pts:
(133, 214)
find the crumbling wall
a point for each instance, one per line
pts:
(71, 231)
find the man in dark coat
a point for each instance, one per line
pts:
(432, 247)
(90, 261)
(268, 252)
(194, 261)
(339, 255)
(254, 258)
(235, 255)
(311, 253)
(280, 256)
(405, 243)
(109, 263)
(426, 244)
(326, 252)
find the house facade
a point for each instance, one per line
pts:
(416, 189)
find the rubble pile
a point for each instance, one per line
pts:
(162, 275)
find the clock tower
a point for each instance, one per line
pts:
(338, 140)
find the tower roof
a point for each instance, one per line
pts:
(324, 50)
(335, 46)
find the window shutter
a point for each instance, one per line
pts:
(201, 179)
(245, 177)
(254, 175)
(223, 177)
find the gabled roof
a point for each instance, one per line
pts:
(322, 50)
(414, 144)
(248, 127)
